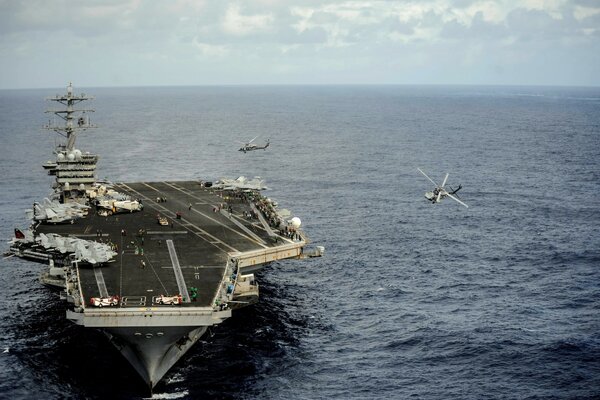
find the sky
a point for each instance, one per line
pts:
(47, 43)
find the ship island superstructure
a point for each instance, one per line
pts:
(152, 265)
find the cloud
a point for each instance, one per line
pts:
(236, 23)
(256, 40)
(583, 12)
(210, 50)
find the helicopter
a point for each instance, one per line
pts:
(249, 146)
(439, 192)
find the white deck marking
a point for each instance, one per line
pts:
(182, 221)
(198, 267)
(100, 281)
(178, 274)
(242, 227)
(263, 221)
(156, 274)
(133, 301)
(191, 194)
(165, 232)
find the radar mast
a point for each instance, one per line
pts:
(70, 130)
(75, 172)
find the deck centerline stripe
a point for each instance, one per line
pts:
(156, 274)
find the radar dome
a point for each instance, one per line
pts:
(60, 157)
(77, 153)
(296, 222)
(71, 156)
(81, 186)
(67, 185)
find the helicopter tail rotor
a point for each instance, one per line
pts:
(455, 191)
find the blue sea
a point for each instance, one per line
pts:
(412, 300)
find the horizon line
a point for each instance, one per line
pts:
(306, 84)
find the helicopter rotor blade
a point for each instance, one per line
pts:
(425, 175)
(445, 179)
(454, 198)
(253, 139)
(439, 196)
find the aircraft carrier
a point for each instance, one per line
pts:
(152, 265)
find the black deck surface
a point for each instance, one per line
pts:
(202, 239)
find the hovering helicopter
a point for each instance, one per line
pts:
(439, 192)
(252, 146)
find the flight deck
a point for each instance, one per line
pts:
(205, 228)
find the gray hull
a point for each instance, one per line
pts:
(152, 352)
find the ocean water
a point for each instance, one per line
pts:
(412, 300)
